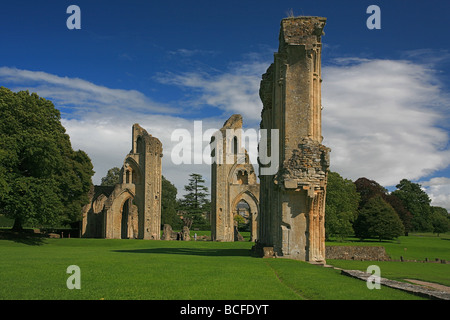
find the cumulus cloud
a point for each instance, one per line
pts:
(438, 189)
(383, 119)
(99, 120)
(108, 142)
(233, 91)
(80, 97)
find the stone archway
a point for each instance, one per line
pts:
(129, 220)
(232, 177)
(125, 211)
(253, 210)
(139, 187)
(122, 213)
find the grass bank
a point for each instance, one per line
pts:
(168, 270)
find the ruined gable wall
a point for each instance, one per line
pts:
(233, 178)
(293, 200)
(140, 181)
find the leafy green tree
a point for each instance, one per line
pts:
(195, 202)
(440, 220)
(169, 205)
(240, 221)
(112, 177)
(417, 202)
(42, 179)
(341, 206)
(367, 189)
(377, 219)
(404, 215)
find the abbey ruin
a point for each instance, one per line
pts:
(233, 182)
(286, 209)
(131, 208)
(292, 210)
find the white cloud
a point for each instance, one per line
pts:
(81, 96)
(100, 120)
(380, 116)
(380, 120)
(438, 189)
(107, 142)
(234, 91)
(191, 52)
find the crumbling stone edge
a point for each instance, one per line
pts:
(411, 288)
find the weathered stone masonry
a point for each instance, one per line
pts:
(132, 208)
(292, 203)
(233, 179)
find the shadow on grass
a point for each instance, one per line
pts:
(27, 238)
(193, 251)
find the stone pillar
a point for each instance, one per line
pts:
(232, 179)
(148, 150)
(292, 201)
(223, 146)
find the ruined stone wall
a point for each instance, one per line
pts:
(292, 210)
(152, 167)
(93, 212)
(371, 253)
(233, 179)
(132, 208)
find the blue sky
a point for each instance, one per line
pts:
(164, 64)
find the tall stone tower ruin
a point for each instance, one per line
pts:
(233, 183)
(131, 208)
(292, 203)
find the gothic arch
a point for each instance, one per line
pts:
(141, 204)
(115, 214)
(245, 169)
(233, 178)
(253, 204)
(135, 174)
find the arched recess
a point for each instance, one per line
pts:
(242, 173)
(253, 204)
(124, 216)
(132, 171)
(140, 145)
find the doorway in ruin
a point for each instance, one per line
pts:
(124, 221)
(245, 211)
(129, 221)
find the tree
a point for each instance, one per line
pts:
(404, 215)
(240, 221)
(196, 192)
(112, 177)
(440, 220)
(341, 206)
(195, 202)
(377, 219)
(42, 179)
(169, 204)
(417, 202)
(368, 189)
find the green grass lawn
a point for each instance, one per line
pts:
(168, 270)
(412, 247)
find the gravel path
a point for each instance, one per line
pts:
(432, 285)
